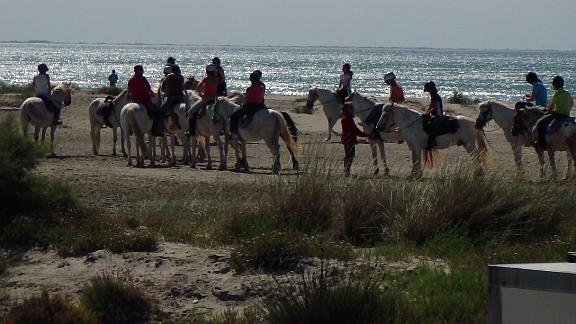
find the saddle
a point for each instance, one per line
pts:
(440, 125)
(246, 119)
(105, 108)
(47, 103)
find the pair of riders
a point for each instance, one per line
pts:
(141, 93)
(208, 89)
(42, 90)
(558, 110)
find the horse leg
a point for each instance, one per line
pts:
(552, 160)
(128, 147)
(208, 155)
(95, 135)
(416, 162)
(139, 158)
(222, 166)
(163, 148)
(274, 148)
(151, 148)
(245, 157)
(383, 157)
(122, 142)
(185, 148)
(52, 133)
(36, 132)
(569, 161)
(43, 135)
(193, 156)
(374, 151)
(172, 147)
(114, 140)
(540, 154)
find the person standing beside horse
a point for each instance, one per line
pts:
(41, 87)
(345, 85)
(222, 91)
(558, 111)
(208, 89)
(254, 101)
(349, 139)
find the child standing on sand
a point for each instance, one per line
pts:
(349, 136)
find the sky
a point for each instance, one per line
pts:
(484, 24)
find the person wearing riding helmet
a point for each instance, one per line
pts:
(41, 87)
(345, 85)
(208, 89)
(539, 95)
(558, 111)
(254, 100)
(222, 91)
(396, 92)
(173, 91)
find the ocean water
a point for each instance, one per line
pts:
(480, 74)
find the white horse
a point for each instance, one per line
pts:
(34, 111)
(213, 121)
(411, 127)
(330, 104)
(134, 119)
(504, 117)
(97, 121)
(564, 139)
(268, 125)
(172, 130)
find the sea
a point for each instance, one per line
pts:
(289, 70)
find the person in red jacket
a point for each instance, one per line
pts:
(141, 93)
(350, 133)
(253, 101)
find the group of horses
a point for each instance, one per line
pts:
(134, 119)
(397, 122)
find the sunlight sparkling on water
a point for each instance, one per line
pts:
(479, 74)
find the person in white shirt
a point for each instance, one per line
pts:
(41, 87)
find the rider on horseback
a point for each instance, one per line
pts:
(396, 92)
(539, 95)
(221, 77)
(254, 101)
(435, 113)
(141, 93)
(558, 111)
(173, 91)
(41, 86)
(345, 84)
(208, 89)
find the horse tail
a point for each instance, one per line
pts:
(481, 148)
(430, 157)
(285, 132)
(291, 126)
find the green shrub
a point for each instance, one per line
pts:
(460, 98)
(12, 88)
(300, 107)
(46, 309)
(108, 90)
(35, 195)
(318, 298)
(115, 300)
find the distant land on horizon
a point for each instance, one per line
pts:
(39, 41)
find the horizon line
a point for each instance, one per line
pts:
(36, 41)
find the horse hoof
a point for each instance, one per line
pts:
(193, 165)
(113, 154)
(208, 167)
(327, 139)
(296, 166)
(376, 171)
(222, 168)
(386, 171)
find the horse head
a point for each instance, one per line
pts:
(61, 94)
(312, 97)
(485, 114)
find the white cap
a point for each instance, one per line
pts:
(389, 76)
